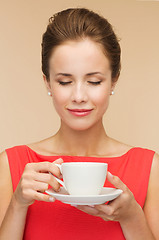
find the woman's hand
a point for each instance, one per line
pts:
(123, 208)
(35, 180)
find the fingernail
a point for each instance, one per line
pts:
(91, 206)
(110, 175)
(51, 199)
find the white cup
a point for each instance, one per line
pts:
(83, 178)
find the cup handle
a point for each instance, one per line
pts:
(57, 179)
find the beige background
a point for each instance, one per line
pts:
(27, 113)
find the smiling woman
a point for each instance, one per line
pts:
(84, 92)
(81, 66)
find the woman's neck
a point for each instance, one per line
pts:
(88, 142)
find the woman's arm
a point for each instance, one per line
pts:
(146, 222)
(151, 207)
(14, 220)
(6, 189)
(14, 206)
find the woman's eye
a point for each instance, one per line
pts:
(95, 83)
(64, 83)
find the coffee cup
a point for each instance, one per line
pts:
(83, 178)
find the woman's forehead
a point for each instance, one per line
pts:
(85, 54)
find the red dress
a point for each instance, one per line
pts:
(61, 221)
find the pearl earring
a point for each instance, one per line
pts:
(49, 93)
(112, 92)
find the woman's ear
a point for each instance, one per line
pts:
(47, 83)
(113, 85)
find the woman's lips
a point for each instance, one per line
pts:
(80, 112)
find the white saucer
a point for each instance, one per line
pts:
(107, 194)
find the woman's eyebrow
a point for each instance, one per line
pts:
(63, 74)
(69, 75)
(93, 73)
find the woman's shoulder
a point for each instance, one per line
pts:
(3, 159)
(117, 149)
(6, 188)
(4, 165)
(151, 207)
(43, 147)
(5, 176)
(154, 175)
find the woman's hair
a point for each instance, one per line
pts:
(76, 24)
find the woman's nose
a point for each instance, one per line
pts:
(79, 93)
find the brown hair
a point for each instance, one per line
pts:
(76, 24)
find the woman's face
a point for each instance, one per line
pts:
(80, 83)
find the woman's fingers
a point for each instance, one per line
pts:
(43, 197)
(47, 178)
(109, 210)
(88, 209)
(116, 181)
(98, 212)
(35, 181)
(43, 167)
(59, 161)
(103, 211)
(117, 209)
(40, 186)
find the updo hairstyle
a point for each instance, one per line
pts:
(76, 24)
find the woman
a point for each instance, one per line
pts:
(81, 66)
